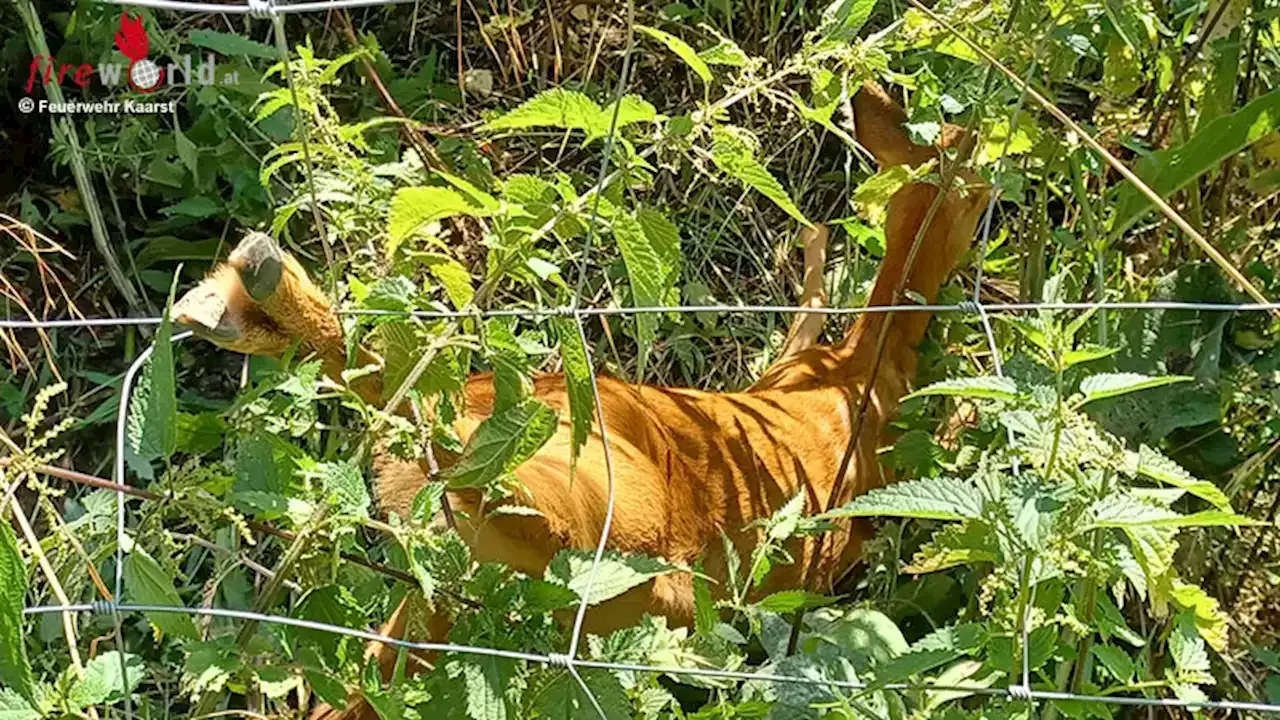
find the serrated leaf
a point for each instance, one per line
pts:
(15, 668)
(842, 19)
(664, 237)
(1126, 510)
(1210, 621)
(577, 377)
(645, 274)
(1187, 648)
(414, 207)
(933, 650)
(1116, 661)
(789, 601)
(453, 277)
(487, 679)
(681, 49)
(1085, 354)
(103, 681)
(232, 44)
(985, 387)
(1109, 385)
(931, 499)
(151, 428)
(501, 442)
(146, 583)
(735, 158)
(616, 574)
(872, 195)
(564, 699)
(725, 52)
(1151, 463)
(343, 483)
(14, 707)
(572, 110)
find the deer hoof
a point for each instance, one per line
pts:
(204, 311)
(260, 263)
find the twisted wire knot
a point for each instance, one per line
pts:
(968, 306)
(261, 9)
(1020, 692)
(564, 311)
(560, 660)
(103, 607)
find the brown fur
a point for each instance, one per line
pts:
(688, 465)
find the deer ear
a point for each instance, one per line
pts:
(259, 261)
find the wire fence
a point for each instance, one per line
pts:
(570, 661)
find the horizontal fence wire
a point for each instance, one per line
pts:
(268, 8)
(966, 307)
(255, 8)
(565, 660)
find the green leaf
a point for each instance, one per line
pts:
(195, 207)
(985, 387)
(232, 44)
(872, 195)
(103, 681)
(146, 583)
(1116, 661)
(487, 680)
(151, 428)
(572, 110)
(1109, 385)
(414, 207)
(1187, 648)
(616, 574)
(736, 158)
(343, 484)
(725, 52)
(455, 278)
(842, 19)
(501, 442)
(933, 650)
(1125, 511)
(1168, 171)
(15, 669)
(556, 107)
(1210, 621)
(14, 707)
(789, 601)
(646, 275)
(1085, 354)
(680, 48)
(577, 377)
(564, 699)
(931, 499)
(1151, 463)
(664, 237)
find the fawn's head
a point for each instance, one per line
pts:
(879, 126)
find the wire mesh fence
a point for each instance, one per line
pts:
(1021, 689)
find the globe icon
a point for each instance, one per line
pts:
(144, 75)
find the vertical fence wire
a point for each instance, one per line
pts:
(116, 606)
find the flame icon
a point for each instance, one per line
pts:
(131, 38)
(144, 75)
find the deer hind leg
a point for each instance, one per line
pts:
(806, 327)
(404, 624)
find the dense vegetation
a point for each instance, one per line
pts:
(1109, 490)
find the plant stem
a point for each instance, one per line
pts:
(63, 130)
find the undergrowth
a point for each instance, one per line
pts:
(1107, 493)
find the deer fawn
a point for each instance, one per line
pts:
(688, 465)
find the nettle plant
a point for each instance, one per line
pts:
(1073, 535)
